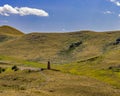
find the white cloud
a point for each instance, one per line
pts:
(8, 10)
(108, 12)
(116, 2)
(118, 15)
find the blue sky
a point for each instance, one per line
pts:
(60, 15)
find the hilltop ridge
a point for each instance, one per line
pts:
(8, 30)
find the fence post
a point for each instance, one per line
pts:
(48, 65)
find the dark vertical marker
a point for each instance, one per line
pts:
(48, 66)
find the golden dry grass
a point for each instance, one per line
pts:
(90, 61)
(55, 84)
(41, 47)
(8, 30)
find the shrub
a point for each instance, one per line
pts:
(15, 68)
(2, 69)
(76, 44)
(117, 41)
(22, 88)
(115, 68)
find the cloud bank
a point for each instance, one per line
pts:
(8, 10)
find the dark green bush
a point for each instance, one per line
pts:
(2, 70)
(15, 68)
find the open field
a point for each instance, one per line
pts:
(83, 63)
(52, 83)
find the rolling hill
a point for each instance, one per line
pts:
(9, 33)
(85, 63)
(57, 47)
(8, 30)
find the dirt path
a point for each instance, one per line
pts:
(29, 68)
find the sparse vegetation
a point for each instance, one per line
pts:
(115, 68)
(117, 41)
(83, 63)
(73, 45)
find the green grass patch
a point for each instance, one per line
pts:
(15, 61)
(91, 70)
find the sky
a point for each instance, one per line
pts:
(60, 15)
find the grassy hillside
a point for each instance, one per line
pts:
(52, 83)
(8, 33)
(86, 63)
(8, 30)
(105, 67)
(61, 47)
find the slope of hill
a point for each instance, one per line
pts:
(83, 61)
(8, 30)
(57, 84)
(61, 47)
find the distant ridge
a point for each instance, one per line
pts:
(8, 30)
